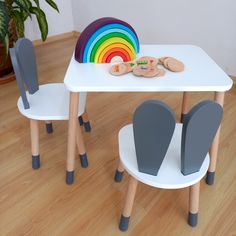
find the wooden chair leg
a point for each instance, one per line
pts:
(34, 131)
(194, 192)
(72, 134)
(86, 123)
(119, 173)
(219, 98)
(81, 148)
(124, 220)
(80, 119)
(185, 105)
(49, 127)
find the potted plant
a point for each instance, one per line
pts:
(13, 14)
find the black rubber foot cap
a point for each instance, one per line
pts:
(118, 176)
(87, 126)
(210, 178)
(49, 128)
(183, 117)
(80, 119)
(36, 162)
(124, 223)
(192, 219)
(69, 177)
(84, 160)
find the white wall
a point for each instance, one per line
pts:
(209, 24)
(58, 23)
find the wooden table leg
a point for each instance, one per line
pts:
(49, 127)
(81, 148)
(86, 122)
(219, 98)
(185, 105)
(72, 132)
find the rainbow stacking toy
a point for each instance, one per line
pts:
(107, 40)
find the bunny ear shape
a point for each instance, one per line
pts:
(153, 126)
(27, 62)
(199, 129)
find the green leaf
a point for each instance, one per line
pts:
(18, 18)
(24, 13)
(23, 5)
(4, 21)
(42, 21)
(28, 3)
(37, 3)
(53, 4)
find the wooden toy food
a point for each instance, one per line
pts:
(147, 60)
(172, 64)
(147, 71)
(122, 68)
(148, 67)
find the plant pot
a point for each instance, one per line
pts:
(6, 70)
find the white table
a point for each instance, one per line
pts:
(201, 74)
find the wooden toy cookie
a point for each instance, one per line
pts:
(147, 61)
(122, 68)
(172, 64)
(161, 60)
(148, 71)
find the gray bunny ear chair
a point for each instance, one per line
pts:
(45, 102)
(158, 152)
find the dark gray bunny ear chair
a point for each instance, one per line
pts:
(153, 125)
(46, 102)
(199, 129)
(158, 152)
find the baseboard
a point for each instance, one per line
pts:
(55, 38)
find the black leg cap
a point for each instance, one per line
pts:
(84, 160)
(80, 119)
(192, 219)
(210, 178)
(183, 117)
(35, 162)
(87, 126)
(118, 176)
(49, 128)
(69, 177)
(124, 223)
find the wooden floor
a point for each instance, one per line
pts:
(38, 202)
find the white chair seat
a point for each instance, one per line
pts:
(50, 102)
(169, 175)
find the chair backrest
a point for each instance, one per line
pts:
(153, 126)
(24, 64)
(199, 128)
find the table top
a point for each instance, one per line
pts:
(201, 74)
